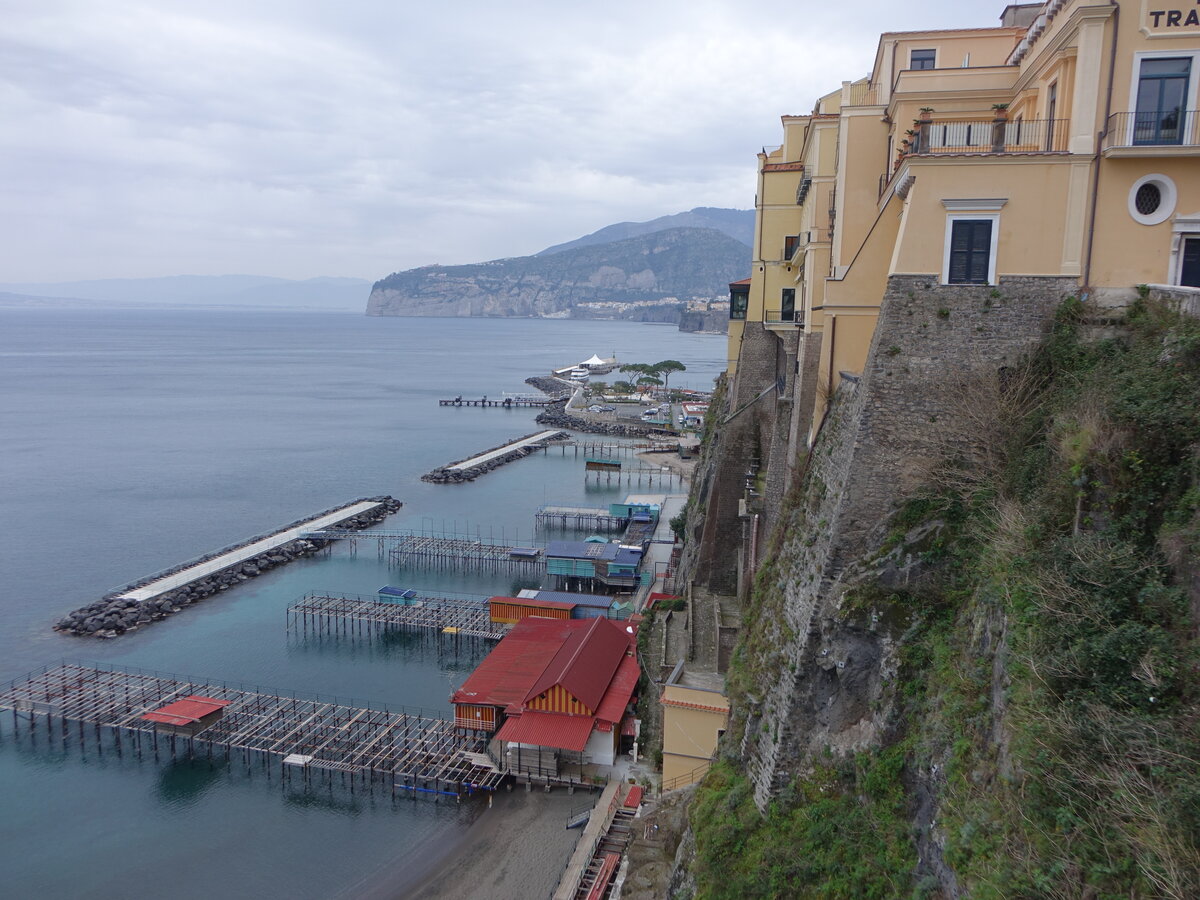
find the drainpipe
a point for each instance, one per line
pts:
(1101, 135)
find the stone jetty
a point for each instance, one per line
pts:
(163, 594)
(482, 463)
(556, 416)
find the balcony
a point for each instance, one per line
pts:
(990, 136)
(783, 319)
(1174, 132)
(794, 245)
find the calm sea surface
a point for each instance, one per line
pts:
(133, 440)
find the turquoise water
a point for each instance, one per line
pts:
(132, 440)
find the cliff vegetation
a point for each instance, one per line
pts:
(1039, 697)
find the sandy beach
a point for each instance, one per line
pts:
(517, 849)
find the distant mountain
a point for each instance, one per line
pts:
(737, 223)
(648, 278)
(246, 291)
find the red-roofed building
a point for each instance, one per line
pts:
(188, 716)
(555, 693)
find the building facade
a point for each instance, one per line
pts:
(1056, 153)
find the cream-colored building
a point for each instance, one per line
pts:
(1061, 147)
(695, 714)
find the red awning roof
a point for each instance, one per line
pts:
(624, 683)
(560, 730)
(634, 798)
(186, 711)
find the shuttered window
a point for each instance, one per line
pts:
(970, 251)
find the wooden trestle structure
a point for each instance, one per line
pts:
(578, 518)
(440, 552)
(309, 737)
(325, 613)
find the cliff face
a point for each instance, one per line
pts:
(961, 671)
(622, 279)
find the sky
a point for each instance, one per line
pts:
(297, 138)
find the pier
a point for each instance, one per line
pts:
(325, 613)
(309, 737)
(439, 552)
(505, 403)
(165, 593)
(470, 469)
(640, 474)
(578, 518)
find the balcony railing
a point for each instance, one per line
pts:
(779, 317)
(1172, 128)
(991, 136)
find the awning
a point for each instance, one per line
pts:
(186, 711)
(559, 730)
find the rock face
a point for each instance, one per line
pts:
(711, 321)
(112, 616)
(638, 274)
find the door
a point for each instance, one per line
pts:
(1161, 100)
(1189, 270)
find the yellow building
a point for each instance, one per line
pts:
(1062, 143)
(1056, 152)
(695, 714)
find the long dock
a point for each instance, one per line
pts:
(156, 596)
(401, 750)
(471, 468)
(341, 613)
(505, 403)
(241, 554)
(428, 551)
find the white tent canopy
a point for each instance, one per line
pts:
(594, 361)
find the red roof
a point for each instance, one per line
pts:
(566, 732)
(507, 673)
(187, 711)
(634, 798)
(585, 663)
(620, 690)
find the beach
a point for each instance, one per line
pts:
(516, 849)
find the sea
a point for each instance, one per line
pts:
(135, 439)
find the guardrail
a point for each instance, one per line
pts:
(990, 136)
(1171, 128)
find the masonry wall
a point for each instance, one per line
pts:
(821, 682)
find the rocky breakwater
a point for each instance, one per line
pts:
(448, 474)
(556, 416)
(553, 387)
(116, 614)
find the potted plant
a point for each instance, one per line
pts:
(1000, 111)
(926, 114)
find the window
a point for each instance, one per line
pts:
(1162, 91)
(922, 59)
(1152, 199)
(739, 300)
(1051, 112)
(1189, 268)
(970, 250)
(787, 309)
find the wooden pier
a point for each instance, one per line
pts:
(324, 613)
(440, 552)
(305, 737)
(505, 403)
(579, 518)
(647, 475)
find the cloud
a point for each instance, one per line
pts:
(303, 138)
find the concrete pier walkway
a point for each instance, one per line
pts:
(241, 554)
(484, 458)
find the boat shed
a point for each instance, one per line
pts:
(511, 610)
(558, 692)
(609, 565)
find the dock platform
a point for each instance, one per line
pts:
(579, 518)
(398, 750)
(325, 613)
(434, 552)
(504, 403)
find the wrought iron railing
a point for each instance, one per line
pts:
(1167, 128)
(990, 136)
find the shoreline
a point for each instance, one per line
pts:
(516, 849)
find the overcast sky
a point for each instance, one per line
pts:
(298, 138)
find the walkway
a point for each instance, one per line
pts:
(502, 451)
(241, 554)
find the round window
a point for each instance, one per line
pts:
(1152, 199)
(1148, 199)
